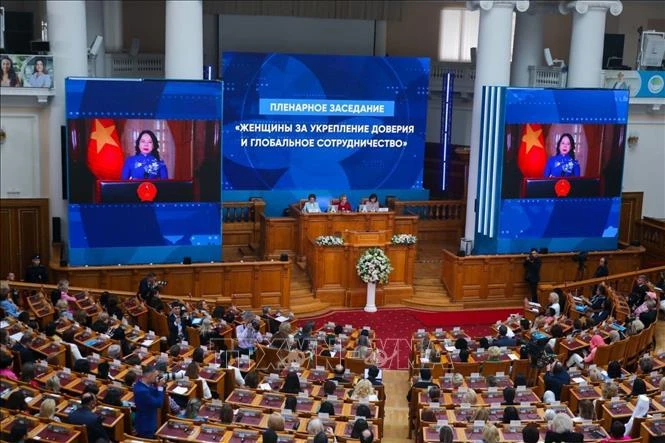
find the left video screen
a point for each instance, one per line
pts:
(143, 160)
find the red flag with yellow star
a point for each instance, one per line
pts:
(531, 156)
(105, 157)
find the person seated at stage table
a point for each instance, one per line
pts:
(344, 205)
(372, 204)
(311, 206)
(563, 164)
(146, 163)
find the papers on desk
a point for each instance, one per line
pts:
(281, 318)
(181, 390)
(578, 380)
(265, 387)
(373, 397)
(3, 324)
(513, 357)
(450, 348)
(17, 336)
(147, 342)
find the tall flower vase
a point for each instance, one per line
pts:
(370, 305)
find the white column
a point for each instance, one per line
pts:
(380, 38)
(527, 46)
(113, 36)
(67, 35)
(586, 41)
(492, 69)
(183, 58)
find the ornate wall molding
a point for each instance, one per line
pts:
(583, 6)
(486, 5)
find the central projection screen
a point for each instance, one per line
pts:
(306, 123)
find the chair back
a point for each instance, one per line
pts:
(492, 367)
(193, 336)
(603, 353)
(619, 351)
(466, 369)
(133, 438)
(520, 367)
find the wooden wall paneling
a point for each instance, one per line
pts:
(25, 230)
(121, 279)
(211, 283)
(652, 237)
(406, 224)
(631, 214)
(279, 236)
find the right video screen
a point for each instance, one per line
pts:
(562, 181)
(544, 160)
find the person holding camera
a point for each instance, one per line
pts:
(532, 273)
(148, 398)
(248, 333)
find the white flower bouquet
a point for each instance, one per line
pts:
(329, 240)
(404, 239)
(374, 266)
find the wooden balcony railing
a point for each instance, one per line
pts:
(437, 219)
(242, 222)
(652, 237)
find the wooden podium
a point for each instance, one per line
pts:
(333, 269)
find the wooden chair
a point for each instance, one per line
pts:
(520, 367)
(603, 354)
(630, 356)
(356, 365)
(193, 336)
(466, 369)
(619, 351)
(492, 367)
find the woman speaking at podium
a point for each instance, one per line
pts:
(145, 164)
(563, 164)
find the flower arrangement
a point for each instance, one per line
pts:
(329, 240)
(404, 239)
(374, 266)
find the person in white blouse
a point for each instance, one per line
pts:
(311, 206)
(192, 373)
(554, 303)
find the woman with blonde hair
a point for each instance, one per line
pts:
(47, 410)
(363, 390)
(276, 422)
(53, 384)
(493, 353)
(480, 414)
(470, 397)
(491, 434)
(610, 390)
(207, 332)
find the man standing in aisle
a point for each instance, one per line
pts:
(148, 397)
(532, 273)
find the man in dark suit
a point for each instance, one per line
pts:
(146, 285)
(424, 382)
(23, 348)
(532, 273)
(503, 339)
(639, 292)
(177, 324)
(338, 372)
(555, 378)
(373, 374)
(36, 272)
(84, 416)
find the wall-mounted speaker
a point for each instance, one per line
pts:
(56, 228)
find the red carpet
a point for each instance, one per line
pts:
(395, 326)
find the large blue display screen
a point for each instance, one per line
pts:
(551, 169)
(144, 167)
(310, 122)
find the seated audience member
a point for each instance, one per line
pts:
(556, 378)
(483, 343)
(7, 303)
(113, 397)
(510, 414)
(650, 315)
(424, 382)
(372, 374)
(192, 373)
(269, 436)
(363, 391)
(615, 336)
(617, 431)
(645, 364)
(18, 433)
(53, 384)
(639, 292)
(311, 206)
(458, 380)
(326, 407)
(101, 325)
(508, 396)
(641, 410)
(470, 397)
(614, 369)
(338, 373)
(562, 430)
(595, 375)
(6, 363)
(292, 384)
(549, 397)
(47, 410)
(461, 343)
(84, 416)
(291, 404)
(554, 303)
(428, 415)
(596, 342)
(503, 339)
(463, 355)
(224, 363)
(28, 374)
(635, 327)
(491, 434)
(434, 394)
(480, 414)
(252, 380)
(68, 338)
(363, 410)
(82, 366)
(276, 422)
(16, 401)
(207, 332)
(603, 314)
(226, 414)
(344, 205)
(639, 388)
(23, 347)
(598, 299)
(446, 434)
(493, 353)
(315, 426)
(372, 204)
(530, 433)
(520, 380)
(610, 390)
(587, 411)
(358, 427)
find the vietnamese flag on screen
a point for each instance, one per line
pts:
(531, 156)
(105, 158)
